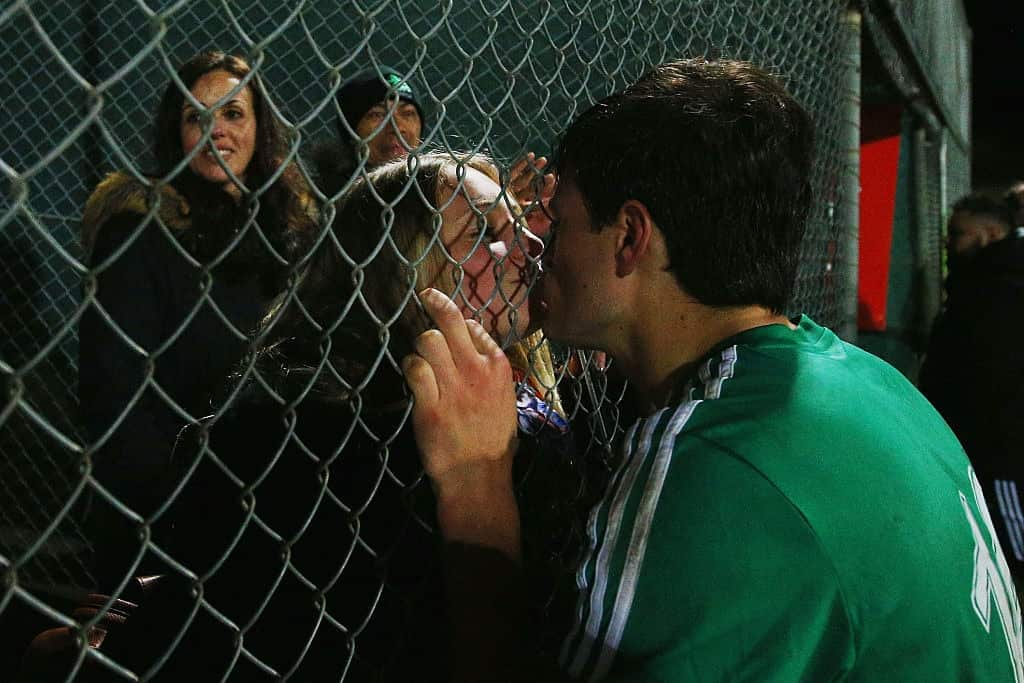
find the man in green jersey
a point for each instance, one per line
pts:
(791, 509)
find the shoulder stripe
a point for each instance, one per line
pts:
(725, 370)
(638, 540)
(610, 538)
(1009, 507)
(581, 572)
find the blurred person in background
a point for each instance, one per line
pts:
(383, 119)
(183, 265)
(382, 110)
(1014, 198)
(974, 369)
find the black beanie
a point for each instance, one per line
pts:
(367, 88)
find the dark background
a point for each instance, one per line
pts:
(997, 75)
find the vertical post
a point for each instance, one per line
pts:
(927, 218)
(849, 207)
(940, 263)
(90, 66)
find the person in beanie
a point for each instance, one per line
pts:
(381, 109)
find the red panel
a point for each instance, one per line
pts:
(879, 163)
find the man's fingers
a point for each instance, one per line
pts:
(421, 380)
(482, 341)
(433, 348)
(449, 321)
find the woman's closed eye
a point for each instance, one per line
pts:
(483, 233)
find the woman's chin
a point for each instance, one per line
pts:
(216, 176)
(509, 336)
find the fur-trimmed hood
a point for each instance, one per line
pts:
(334, 163)
(123, 193)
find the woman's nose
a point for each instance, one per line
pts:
(527, 245)
(534, 244)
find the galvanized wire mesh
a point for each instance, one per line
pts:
(940, 39)
(78, 87)
(925, 49)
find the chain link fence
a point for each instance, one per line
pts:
(79, 82)
(924, 50)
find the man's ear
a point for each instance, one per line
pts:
(636, 228)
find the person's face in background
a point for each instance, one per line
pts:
(386, 144)
(233, 136)
(495, 257)
(969, 233)
(1017, 190)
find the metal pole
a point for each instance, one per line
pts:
(849, 199)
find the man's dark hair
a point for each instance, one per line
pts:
(984, 204)
(720, 155)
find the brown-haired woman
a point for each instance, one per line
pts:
(183, 263)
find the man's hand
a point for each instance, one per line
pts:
(465, 424)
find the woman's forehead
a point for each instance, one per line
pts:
(212, 86)
(475, 189)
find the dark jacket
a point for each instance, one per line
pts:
(156, 338)
(313, 534)
(974, 370)
(974, 375)
(334, 165)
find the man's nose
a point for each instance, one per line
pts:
(405, 130)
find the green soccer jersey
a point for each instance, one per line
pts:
(803, 514)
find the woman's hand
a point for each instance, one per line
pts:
(533, 199)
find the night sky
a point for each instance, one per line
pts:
(997, 77)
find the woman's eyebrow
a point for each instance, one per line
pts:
(482, 202)
(188, 105)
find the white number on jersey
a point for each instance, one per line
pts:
(992, 582)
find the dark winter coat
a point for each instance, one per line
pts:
(158, 336)
(313, 534)
(974, 375)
